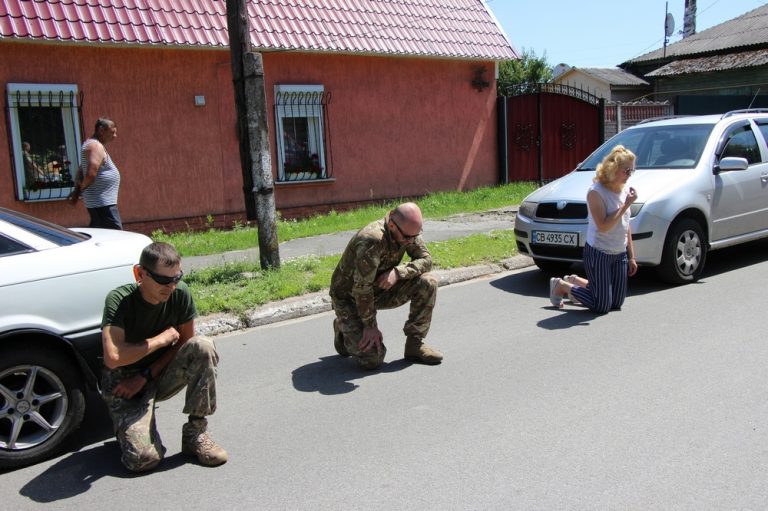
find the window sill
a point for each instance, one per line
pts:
(47, 194)
(323, 181)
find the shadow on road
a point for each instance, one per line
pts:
(76, 473)
(96, 426)
(536, 283)
(333, 375)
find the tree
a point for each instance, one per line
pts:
(527, 69)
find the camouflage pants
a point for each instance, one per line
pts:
(420, 291)
(194, 366)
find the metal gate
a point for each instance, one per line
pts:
(545, 130)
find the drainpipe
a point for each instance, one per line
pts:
(502, 138)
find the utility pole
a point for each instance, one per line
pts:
(250, 104)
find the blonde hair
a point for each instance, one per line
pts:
(618, 157)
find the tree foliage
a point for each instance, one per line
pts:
(527, 69)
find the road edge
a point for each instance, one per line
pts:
(316, 303)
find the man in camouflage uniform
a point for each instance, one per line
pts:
(370, 276)
(151, 352)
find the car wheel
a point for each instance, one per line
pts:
(685, 251)
(41, 403)
(552, 267)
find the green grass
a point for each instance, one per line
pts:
(235, 288)
(433, 206)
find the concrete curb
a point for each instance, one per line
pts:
(315, 303)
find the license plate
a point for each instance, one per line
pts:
(567, 239)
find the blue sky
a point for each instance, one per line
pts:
(602, 33)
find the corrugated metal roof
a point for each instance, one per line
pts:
(713, 63)
(749, 29)
(610, 75)
(437, 28)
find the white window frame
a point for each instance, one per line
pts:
(71, 133)
(315, 128)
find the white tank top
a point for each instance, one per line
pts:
(615, 240)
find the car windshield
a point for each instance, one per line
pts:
(54, 233)
(670, 146)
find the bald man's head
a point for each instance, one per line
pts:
(406, 220)
(408, 213)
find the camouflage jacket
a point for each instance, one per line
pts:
(371, 252)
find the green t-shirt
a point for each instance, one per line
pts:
(125, 308)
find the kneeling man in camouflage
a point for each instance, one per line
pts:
(370, 276)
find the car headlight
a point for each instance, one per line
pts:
(527, 209)
(634, 209)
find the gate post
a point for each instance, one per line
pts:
(502, 139)
(539, 134)
(601, 117)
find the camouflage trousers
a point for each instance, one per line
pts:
(194, 366)
(420, 291)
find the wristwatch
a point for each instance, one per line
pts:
(147, 374)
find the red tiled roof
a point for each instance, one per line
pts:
(438, 28)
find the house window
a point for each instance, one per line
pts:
(45, 123)
(301, 117)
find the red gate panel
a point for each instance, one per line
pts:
(522, 137)
(550, 131)
(570, 132)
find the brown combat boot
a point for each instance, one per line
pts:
(197, 441)
(338, 339)
(416, 350)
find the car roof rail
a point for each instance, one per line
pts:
(664, 118)
(745, 111)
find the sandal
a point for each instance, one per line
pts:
(554, 299)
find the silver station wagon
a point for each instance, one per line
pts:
(702, 184)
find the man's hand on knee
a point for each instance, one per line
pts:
(388, 279)
(372, 338)
(129, 387)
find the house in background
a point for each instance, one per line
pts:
(366, 102)
(612, 84)
(722, 68)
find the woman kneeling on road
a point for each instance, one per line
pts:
(609, 256)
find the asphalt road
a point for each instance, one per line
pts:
(662, 405)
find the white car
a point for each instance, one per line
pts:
(701, 181)
(52, 288)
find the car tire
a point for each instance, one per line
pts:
(41, 402)
(685, 252)
(552, 267)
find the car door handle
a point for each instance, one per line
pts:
(764, 177)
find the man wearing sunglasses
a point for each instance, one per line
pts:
(151, 352)
(371, 276)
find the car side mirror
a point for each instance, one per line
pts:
(731, 163)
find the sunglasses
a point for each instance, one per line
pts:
(406, 237)
(164, 280)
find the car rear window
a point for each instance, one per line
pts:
(54, 233)
(12, 247)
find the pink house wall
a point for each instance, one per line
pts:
(399, 127)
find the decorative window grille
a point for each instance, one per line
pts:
(45, 122)
(302, 134)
